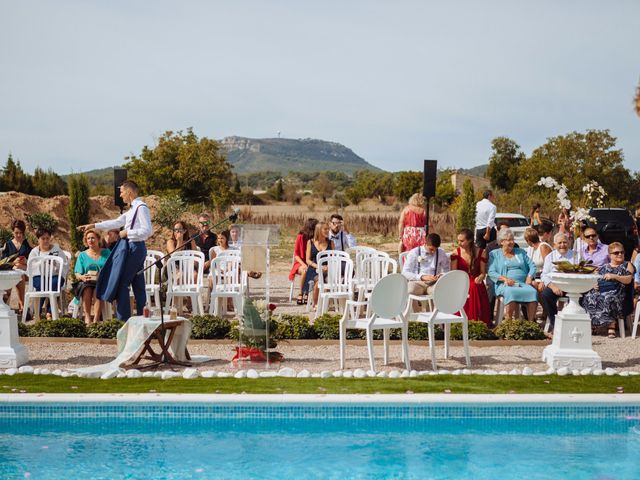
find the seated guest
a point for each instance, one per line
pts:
(545, 232)
(45, 248)
(473, 261)
(512, 272)
(551, 293)
(537, 251)
(236, 242)
(340, 236)
(206, 240)
(494, 244)
(424, 265)
(224, 244)
(88, 265)
(319, 243)
(605, 303)
(300, 258)
(18, 245)
(592, 249)
(179, 237)
(111, 238)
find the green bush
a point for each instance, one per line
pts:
(65, 327)
(209, 326)
(105, 329)
(24, 330)
(42, 219)
(295, 327)
(420, 331)
(327, 327)
(394, 334)
(477, 331)
(5, 236)
(519, 330)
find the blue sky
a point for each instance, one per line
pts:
(85, 83)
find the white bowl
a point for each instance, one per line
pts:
(9, 278)
(575, 283)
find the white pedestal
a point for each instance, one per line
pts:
(12, 352)
(571, 345)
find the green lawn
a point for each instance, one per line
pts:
(432, 384)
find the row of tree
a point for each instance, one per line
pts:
(42, 183)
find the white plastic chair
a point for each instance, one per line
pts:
(185, 274)
(449, 296)
(226, 282)
(47, 266)
(636, 320)
(371, 268)
(383, 312)
(337, 285)
(402, 257)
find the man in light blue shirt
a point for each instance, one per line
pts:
(551, 293)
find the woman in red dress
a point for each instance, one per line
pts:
(299, 258)
(411, 226)
(473, 260)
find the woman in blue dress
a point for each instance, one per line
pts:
(18, 245)
(512, 271)
(319, 243)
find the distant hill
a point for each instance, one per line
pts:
(249, 155)
(480, 170)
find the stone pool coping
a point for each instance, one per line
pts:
(236, 398)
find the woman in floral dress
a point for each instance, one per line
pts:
(412, 224)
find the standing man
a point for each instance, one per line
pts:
(206, 240)
(127, 259)
(339, 235)
(485, 220)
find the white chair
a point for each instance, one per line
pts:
(337, 284)
(47, 267)
(449, 296)
(383, 312)
(185, 273)
(636, 320)
(152, 287)
(226, 282)
(402, 257)
(371, 268)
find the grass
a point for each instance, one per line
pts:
(432, 384)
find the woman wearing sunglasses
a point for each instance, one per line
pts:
(605, 302)
(178, 238)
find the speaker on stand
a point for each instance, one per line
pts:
(119, 177)
(429, 186)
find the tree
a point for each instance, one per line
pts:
(467, 211)
(322, 187)
(445, 192)
(170, 210)
(406, 184)
(14, 178)
(78, 209)
(181, 163)
(504, 162)
(279, 191)
(48, 184)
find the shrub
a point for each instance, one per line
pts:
(477, 331)
(78, 209)
(24, 330)
(42, 219)
(420, 331)
(5, 236)
(327, 327)
(170, 209)
(394, 334)
(295, 327)
(209, 326)
(65, 327)
(105, 329)
(519, 330)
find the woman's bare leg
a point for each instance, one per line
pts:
(87, 297)
(531, 310)
(510, 310)
(98, 308)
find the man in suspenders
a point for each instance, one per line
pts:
(341, 238)
(128, 256)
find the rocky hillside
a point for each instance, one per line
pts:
(285, 155)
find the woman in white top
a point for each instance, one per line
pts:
(45, 248)
(537, 252)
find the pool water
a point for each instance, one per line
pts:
(364, 441)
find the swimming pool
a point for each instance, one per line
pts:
(236, 439)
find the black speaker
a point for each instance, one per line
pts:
(429, 178)
(119, 177)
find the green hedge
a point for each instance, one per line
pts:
(477, 331)
(105, 329)
(209, 327)
(519, 330)
(295, 327)
(327, 327)
(64, 327)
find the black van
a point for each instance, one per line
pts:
(616, 225)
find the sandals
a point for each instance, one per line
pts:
(611, 333)
(300, 300)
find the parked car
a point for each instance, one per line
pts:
(517, 223)
(616, 225)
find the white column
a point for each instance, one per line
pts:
(12, 352)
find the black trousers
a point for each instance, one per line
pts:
(550, 302)
(480, 241)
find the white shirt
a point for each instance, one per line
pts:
(485, 214)
(549, 267)
(55, 250)
(139, 232)
(413, 270)
(342, 240)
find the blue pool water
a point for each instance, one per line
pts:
(244, 441)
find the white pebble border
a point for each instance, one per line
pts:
(288, 372)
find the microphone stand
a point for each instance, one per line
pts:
(165, 357)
